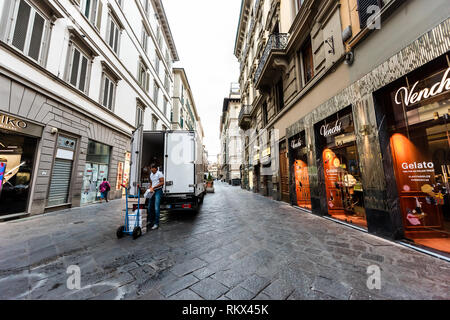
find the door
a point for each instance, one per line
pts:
(180, 162)
(284, 173)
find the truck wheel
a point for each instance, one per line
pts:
(137, 232)
(120, 232)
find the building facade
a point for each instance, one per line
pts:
(184, 115)
(76, 87)
(357, 93)
(230, 138)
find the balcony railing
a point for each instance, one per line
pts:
(276, 41)
(245, 113)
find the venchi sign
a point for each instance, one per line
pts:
(411, 97)
(326, 130)
(11, 123)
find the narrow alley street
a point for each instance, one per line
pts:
(239, 246)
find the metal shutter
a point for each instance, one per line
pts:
(363, 5)
(59, 185)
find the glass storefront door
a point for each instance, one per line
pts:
(299, 160)
(344, 190)
(96, 169)
(17, 155)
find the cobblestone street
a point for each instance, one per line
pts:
(239, 246)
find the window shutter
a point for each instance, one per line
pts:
(4, 20)
(111, 95)
(20, 31)
(147, 81)
(75, 66)
(83, 73)
(105, 92)
(363, 5)
(99, 14)
(36, 37)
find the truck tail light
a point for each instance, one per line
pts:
(187, 206)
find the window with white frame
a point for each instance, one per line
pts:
(113, 34)
(144, 38)
(78, 69)
(108, 92)
(298, 4)
(155, 93)
(143, 76)
(154, 123)
(165, 103)
(92, 10)
(25, 28)
(139, 116)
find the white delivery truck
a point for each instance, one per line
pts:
(179, 156)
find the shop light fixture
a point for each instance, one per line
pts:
(365, 130)
(436, 116)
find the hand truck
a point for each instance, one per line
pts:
(137, 229)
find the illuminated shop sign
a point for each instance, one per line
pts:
(297, 143)
(411, 97)
(13, 124)
(327, 130)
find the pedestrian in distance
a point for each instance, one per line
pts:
(105, 187)
(156, 187)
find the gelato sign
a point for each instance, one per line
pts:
(413, 96)
(11, 123)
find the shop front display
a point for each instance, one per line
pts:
(299, 171)
(339, 157)
(96, 169)
(17, 155)
(417, 109)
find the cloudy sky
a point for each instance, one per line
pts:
(204, 33)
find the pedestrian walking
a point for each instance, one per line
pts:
(156, 187)
(105, 187)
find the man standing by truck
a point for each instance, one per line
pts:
(156, 187)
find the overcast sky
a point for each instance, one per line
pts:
(204, 33)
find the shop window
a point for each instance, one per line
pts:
(339, 154)
(96, 169)
(298, 155)
(29, 29)
(16, 167)
(307, 62)
(417, 110)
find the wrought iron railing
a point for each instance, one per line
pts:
(276, 41)
(245, 110)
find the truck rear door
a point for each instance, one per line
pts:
(180, 162)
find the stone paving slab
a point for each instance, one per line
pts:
(239, 246)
